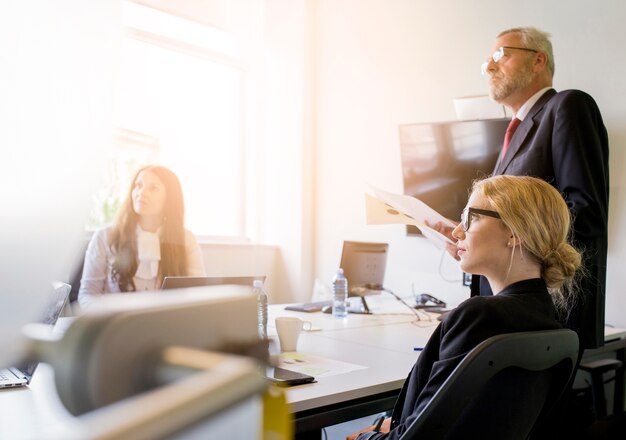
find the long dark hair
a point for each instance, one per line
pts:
(123, 236)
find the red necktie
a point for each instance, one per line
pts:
(509, 134)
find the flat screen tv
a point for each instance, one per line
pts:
(441, 159)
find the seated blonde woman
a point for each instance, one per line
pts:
(514, 231)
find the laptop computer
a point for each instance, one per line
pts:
(183, 282)
(21, 375)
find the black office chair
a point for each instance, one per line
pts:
(505, 388)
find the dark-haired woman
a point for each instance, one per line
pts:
(147, 242)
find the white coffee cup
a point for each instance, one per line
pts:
(289, 329)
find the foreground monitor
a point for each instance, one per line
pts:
(111, 352)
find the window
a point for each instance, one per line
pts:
(180, 101)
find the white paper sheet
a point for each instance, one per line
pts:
(315, 366)
(389, 208)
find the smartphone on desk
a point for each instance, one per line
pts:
(287, 378)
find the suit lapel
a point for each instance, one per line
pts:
(519, 138)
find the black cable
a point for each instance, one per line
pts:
(405, 303)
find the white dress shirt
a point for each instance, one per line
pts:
(97, 271)
(525, 108)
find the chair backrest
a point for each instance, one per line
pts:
(505, 388)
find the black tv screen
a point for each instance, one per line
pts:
(441, 159)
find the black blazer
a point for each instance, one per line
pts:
(563, 141)
(523, 306)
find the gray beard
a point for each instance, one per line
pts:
(510, 85)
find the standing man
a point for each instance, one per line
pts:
(559, 137)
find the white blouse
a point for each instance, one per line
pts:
(97, 272)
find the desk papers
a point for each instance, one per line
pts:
(315, 366)
(388, 208)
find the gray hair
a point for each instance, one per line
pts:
(534, 38)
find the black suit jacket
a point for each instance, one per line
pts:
(523, 306)
(564, 142)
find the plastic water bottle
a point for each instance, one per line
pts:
(261, 298)
(340, 295)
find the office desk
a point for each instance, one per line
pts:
(31, 411)
(390, 340)
(382, 343)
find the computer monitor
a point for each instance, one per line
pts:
(364, 265)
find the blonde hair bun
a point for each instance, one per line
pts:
(560, 265)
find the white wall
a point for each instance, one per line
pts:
(381, 63)
(236, 260)
(284, 189)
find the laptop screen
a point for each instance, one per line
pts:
(183, 282)
(53, 309)
(56, 303)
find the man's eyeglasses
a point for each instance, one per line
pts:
(466, 216)
(499, 54)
